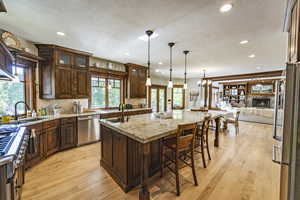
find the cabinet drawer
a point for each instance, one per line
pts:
(68, 120)
(51, 124)
(38, 127)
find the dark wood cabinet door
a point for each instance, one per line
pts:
(52, 141)
(63, 83)
(106, 146)
(120, 156)
(137, 82)
(142, 76)
(34, 152)
(68, 135)
(81, 80)
(5, 59)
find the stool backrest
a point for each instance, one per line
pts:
(205, 124)
(237, 115)
(185, 141)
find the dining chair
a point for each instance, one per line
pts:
(177, 149)
(234, 121)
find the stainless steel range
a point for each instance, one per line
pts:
(13, 144)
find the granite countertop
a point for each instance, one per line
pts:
(147, 127)
(60, 116)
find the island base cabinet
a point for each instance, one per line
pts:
(121, 158)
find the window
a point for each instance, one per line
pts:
(178, 97)
(12, 92)
(106, 93)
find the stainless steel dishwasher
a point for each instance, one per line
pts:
(88, 129)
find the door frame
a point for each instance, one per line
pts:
(158, 87)
(183, 98)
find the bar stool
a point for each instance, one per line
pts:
(173, 149)
(201, 139)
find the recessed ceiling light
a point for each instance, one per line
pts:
(252, 56)
(127, 54)
(145, 37)
(226, 7)
(258, 67)
(160, 63)
(244, 42)
(157, 70)
(60, 33)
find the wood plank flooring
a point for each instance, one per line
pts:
(241, 169)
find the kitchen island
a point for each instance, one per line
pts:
(130, 151)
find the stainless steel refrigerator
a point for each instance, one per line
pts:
(287, 132)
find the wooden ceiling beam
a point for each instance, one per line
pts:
(246, 76)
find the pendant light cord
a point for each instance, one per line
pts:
(185, 68)
(170, 63)
(148, 56)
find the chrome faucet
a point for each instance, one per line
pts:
(16, 106)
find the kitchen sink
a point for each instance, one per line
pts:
(24, 121)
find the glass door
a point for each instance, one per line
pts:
(162, 100)
(158, 98)
(154, 102)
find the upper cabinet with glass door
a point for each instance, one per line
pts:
(81, 61)
(64, 58)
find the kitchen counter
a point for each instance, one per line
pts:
(97, 112)
(146, 128)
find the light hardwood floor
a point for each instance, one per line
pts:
(241, 169)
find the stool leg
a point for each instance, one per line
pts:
(177, 174)
(193, 167)
(202, 151)
(207, 146)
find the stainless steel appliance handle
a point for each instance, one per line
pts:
(275, 150)
(84, 118)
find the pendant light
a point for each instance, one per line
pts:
(185, 84)
(148, 81)
(170, 84)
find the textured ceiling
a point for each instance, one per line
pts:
(110, 29)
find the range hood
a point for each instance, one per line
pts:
(2, 6)
(6, 62)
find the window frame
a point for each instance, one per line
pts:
(106, 98)
(183, 98)
(29, 81)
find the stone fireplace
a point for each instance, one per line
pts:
(261, 102)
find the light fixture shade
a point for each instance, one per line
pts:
(185, 86)
(148, 82)
(209, 82)
(203, 82)
(170, 84)
(109, 86)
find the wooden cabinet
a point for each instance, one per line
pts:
(64, 74)
(68, 133)
(106, 146)
(6, 60)
(136, 81)
(35, 149)
(81, 80)
(121, 157)
(51, 137)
